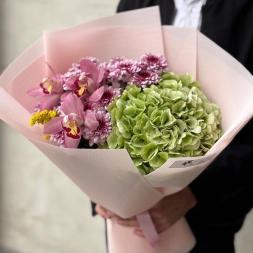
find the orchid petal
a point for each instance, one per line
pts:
(90, 120)
(97, 94)
(101, 73)
(54, 126)
(89, 67)
(36, 92)
(48, 102)
(70, 83)
(64, 95)
(90, 84)
(72, 104)
(70, 142)
(76, 118)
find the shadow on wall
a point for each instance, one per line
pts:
(2, 5)
(1, 148)
(6, 250)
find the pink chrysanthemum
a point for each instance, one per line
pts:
(119, 70)
(36, 108)
(108, 96)
(58, 138)
(74, 71)
(154, 62)
(103, 130)
(145, 78)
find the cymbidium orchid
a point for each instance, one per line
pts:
(73, 123)
(50, 91)
(87, 81)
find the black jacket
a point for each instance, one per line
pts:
(225, 189)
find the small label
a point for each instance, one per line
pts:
(190, 163)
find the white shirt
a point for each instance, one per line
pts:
(188, 13)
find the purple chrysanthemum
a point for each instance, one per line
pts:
(36, 108)
(58, 138)
(145, 78)
(119, 70)
(108, 96)
(154, 62)
(74, 71)
(103, 130)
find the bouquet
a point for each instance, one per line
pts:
(107, 174)
(128, 104)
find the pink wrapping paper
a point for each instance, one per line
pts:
(109, 177)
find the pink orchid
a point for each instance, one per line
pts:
(51, 89)
(73, 123)
(88, 81)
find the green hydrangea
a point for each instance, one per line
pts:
(170, 119)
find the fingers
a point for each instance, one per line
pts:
(101, 211)
(131, 222)
(162, 227)
(139, 232)
(105, 213)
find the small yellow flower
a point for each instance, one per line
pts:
(43, 117)
(47, 136)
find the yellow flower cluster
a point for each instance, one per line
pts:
(43, 117)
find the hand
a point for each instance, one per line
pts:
(166, 212)
(105, 213)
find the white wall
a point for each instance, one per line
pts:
(22, 21)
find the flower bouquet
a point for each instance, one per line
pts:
(138, 127)
(153, 114)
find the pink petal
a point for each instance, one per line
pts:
(97, 94)
(48, 102)
(90, 84)
(90, 120)
(70, 142)
(88, 66)
(100, 75)
(54, 126)
(36, 92)
(72, 104)
(64, 95)
(70, 83)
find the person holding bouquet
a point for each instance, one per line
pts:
(216, 202)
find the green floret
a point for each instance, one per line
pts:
(171, 119)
